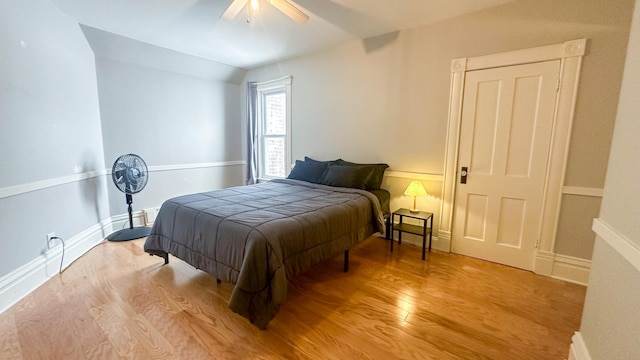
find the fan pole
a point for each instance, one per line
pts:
(129, 202)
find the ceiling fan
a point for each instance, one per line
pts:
(253, 5)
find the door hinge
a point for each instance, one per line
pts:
(537, 243)
(558, 85)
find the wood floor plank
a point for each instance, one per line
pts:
(38, 340)
(9, 341)
(81, 327)
(313, 334)
(118, 302)
(149, 304)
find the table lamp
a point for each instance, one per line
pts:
(415, 189)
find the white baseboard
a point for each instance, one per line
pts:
(571, 269)
(544, 263)
(563, 267)
(444, 241)
(578, 349)
(21, 282)
(122, 220)
(150, 215)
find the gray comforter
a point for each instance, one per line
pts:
(259, 236)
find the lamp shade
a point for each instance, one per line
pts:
(415, 189)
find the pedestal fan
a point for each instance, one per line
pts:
(130, 174)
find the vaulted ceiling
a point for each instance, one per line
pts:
(194, 26)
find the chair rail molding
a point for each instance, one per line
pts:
(618, 242)
(583, 191)
(47, 183)
(414, 176)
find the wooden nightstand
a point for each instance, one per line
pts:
(424, 230)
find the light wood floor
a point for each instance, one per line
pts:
(118, 302)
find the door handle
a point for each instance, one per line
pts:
(463, 175)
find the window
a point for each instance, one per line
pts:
(274, 128)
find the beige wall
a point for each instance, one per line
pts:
(611, 320)
(386, 99)
(576, 216)
(621, 204)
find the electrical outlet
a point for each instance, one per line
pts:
(51, 242)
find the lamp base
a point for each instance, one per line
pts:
(414, 211)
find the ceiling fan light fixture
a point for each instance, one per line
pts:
(253, 6)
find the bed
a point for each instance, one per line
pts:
(259, 236)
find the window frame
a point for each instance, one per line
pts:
(268, 88)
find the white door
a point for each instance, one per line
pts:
(505, 137)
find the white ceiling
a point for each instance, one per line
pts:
(194, 26)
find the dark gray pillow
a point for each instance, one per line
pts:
(308, 159)
(375, 173)
(384, 197)
(312, 172)
(347, 176)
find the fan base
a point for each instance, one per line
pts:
(129, 234)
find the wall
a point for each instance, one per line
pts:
(611, 321)
(72, 99)
(386, 98)
(180, 113)
(50, 134)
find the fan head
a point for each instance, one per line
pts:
(130, 173)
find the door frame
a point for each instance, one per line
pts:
(570, 54)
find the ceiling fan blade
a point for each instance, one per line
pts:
(233, 9)
(290, 10)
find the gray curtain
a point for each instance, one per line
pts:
(252, 133)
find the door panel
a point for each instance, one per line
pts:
(521, 141)
(476, 223)
(506, 128)
(484, 128)
(511, 226)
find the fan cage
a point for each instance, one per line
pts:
(130, 173)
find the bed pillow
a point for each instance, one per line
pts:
(346, 176)
(313, 172)
(308, 159)
(384, 197)
(375, 173)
